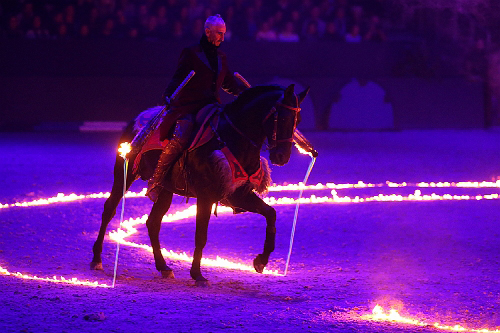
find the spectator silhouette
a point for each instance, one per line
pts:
(151, 31)
(375, 32)
(108, 29)
(331, 33)
(312, 33)
(288, 34)
(195, 10)
(13, 29)
(162, 22)
(354, 35)
(62, 32)
(197, 28)
(121, 24)
(340, 21)
(25, 20)
(266, 33)
(37, 30)
(178, 30)
(84, 32)
(315, 18)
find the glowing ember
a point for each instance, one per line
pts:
(378, 314)
(124, 149)
(55, 279)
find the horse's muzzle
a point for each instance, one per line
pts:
(280, 155)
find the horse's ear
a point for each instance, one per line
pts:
(289, 90)
(303, 95)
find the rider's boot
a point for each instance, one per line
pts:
(177, 144)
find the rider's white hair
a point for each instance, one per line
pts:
(214, 20)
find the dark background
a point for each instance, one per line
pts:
(71, 81)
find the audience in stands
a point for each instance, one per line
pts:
(270, 20)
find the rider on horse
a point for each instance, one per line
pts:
(212, 73)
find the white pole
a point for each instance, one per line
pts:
(125, 167)
(297, 213)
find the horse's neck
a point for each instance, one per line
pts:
(248, 118)
(247, 144)
(246, 148)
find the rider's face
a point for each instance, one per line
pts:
(215, 34)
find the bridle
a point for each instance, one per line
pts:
(273, 141)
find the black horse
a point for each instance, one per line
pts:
(259, 113)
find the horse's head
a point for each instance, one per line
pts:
(280, 125)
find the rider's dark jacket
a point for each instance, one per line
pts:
(211, 74)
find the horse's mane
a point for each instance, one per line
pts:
(249, 95)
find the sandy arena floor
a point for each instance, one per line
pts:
(433, 260)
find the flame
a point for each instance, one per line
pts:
(124, 149)
(417, 196)
(60, 279)
(378, 314)
(129, 228)
(61, 197)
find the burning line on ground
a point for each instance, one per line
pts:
(120, 235)
(129, 228)
(392, 316)
(55, 279)
(65, 198)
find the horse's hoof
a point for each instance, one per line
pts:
(96, 266)
(202, 283)
(258, 265)
(167, 274)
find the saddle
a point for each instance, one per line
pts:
(206, 124)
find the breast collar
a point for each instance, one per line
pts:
(239, 174)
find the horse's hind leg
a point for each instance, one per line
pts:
(249, 201)
(110, 208)
(160, 207)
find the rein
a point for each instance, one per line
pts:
(239, 131)
(272, 112)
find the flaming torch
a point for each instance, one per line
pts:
(123, 150)
(136, 145)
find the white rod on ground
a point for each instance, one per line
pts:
(297, 213)
(125, 167)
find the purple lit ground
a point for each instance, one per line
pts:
(439, 261)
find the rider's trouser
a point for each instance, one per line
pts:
(179, 142)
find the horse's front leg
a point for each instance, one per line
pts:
(203, 211)
(160, 207)
(249, 201)
(110, 208)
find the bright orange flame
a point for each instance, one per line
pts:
(124, 149)
(393, 316)
(55, 279)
